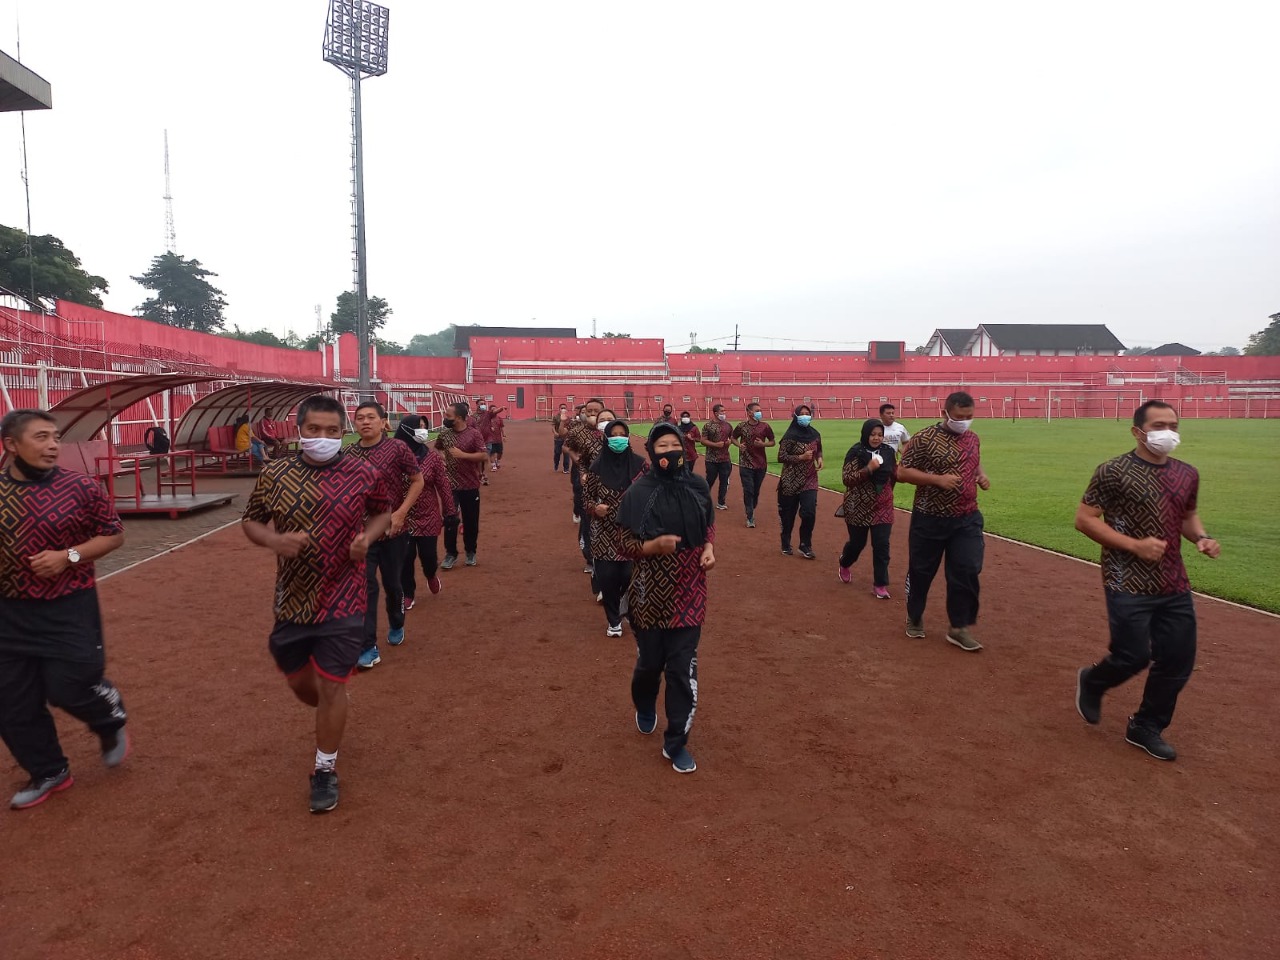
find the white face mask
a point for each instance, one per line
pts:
(1162, 442)
(421, 435)
(320, 449)
(958, 426)
(685, 420)
(721, 417)
(483, 408)
(602, 425)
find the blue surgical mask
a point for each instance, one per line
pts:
(804, 419)
(619, 444)
(757, 415)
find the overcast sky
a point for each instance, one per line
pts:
(822, 172)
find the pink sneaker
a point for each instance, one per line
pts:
(882, 593)
(845, 574)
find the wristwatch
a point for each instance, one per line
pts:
(1203, 536)
(73, 555)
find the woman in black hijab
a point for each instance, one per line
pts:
(691, 437)
(800, 453)
(870, 471)
(668, 526)
(603, 485)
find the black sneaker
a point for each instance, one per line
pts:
(1088, 702)
(646, 723)
(115, 747)
(786, 551)
(1140, 735)
(807, 552)
(681, 760)
(37, 791)
(324, 791)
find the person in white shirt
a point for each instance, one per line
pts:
(895, 434)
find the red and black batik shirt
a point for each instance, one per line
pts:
(332, 504)
(938, 451)
(497, 427)
(667, 592)
(395, 464)
(426, 516)
(798, 475)
(606, 535)
(864, 506)
(717, 432)
(751, 456)
(586, 442)
(463, 474)
(690, 440)
(1141, 499)
(57, 513)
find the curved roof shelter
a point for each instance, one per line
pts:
(270, 399)
(86, 412)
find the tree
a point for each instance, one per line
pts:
(343, 319)
(389, 348)
(921, 350)
(53, 269)
(615, 336)
(264, 337)
(1229, 352)
(184, 296)
(432, 344)
(697, 349)
(1265, 343)
(1138, 351)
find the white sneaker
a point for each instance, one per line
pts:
(614, 631)
(576, 518)
(600, 597)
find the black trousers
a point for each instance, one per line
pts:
(468, 503)
(1160, 631)
(806, 503)
(752, 481)
(721, 471)
(959, 540)
(51, 654)
(560, 460)
(385, 557)
(673, 653)
(575, 481)
(880, 536)
(612, 578)
(418, 549)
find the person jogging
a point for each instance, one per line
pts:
(426, 518)
(559, 459)
(493, 429)
(54, 524)
(610, 476)
(691, 437)
(1139, 507)
(895, 434)
(752, 437)
(668, 529)
(944, 463)
(869, 475)
(583, 442)
(319, 511)
(716, 439)
(398, 468)
(800, 454)
(464, 458)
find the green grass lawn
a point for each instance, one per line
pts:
(1039, 470)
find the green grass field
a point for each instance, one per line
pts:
(1039, 470)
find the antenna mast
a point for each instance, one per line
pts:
(170, 235)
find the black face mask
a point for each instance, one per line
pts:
(667, 463)
(30, 472)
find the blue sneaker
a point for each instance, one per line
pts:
(396, 636)
(369, 659)
(681, 761)
(646, 723)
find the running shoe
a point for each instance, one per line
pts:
(471, 559)
(434, 584)
(844, 573)
(681, 760)
(882, 593)
(915, 629)
(1149, 739)
(449, 560)
(407, 605)
(395, 637)
(39, 790)
(614, 631)
(806, 551)
(751, 524)
(116, 747)
(1088, 702)
(963, 639)
(646, 723)
(369, 659)
(722, 506)
(324, 791)
(576, 518)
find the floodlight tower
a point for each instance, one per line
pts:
(170, 234)
(355, 41)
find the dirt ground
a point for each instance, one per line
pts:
(858, 794)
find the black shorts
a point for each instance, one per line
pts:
(331, 647)
(495, 448)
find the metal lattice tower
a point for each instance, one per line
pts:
(170, 234)
(355, 41)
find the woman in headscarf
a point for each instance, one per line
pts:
(690, 437)
(426, 516)
(800, 453)
(603, 485)
(668, 527)
(870, 471)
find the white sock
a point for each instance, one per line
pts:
(326, 761)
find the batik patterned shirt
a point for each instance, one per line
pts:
(426, 516)
(864, 506)
(586, 442)
(667, 592)
(751, 456)
(332, 504)
(62, 511)
(395, 464)
(463, 474)
(1141, 499)
(938, 451)
(717, 432)
(606, 535)
(798, 475)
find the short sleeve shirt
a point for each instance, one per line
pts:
(717, 432)
(1141, 499)
(463, 474)
(394, 462)
(938, 451)
(896, 435)
(753, 457)
(331, 503)
(586, 441)
(57, 513)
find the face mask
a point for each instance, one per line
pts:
(757, 415)
(320, 449)
(666, 413)
(1161, 442)
(958, 426)
(422, 436)
(721, 417)
(602, 425)
(804, 419)
(668, 461)
(30, 472)
(685, 420)
(618, 444)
